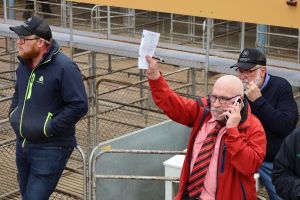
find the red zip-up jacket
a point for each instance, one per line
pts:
(242, 149)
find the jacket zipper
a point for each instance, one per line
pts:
(27, 96)
(48, 118)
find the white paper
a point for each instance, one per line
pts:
(148, 45)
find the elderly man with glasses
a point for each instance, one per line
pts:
(48, 101)
(272, 102)
(227, 144)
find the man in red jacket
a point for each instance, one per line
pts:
(223, 121)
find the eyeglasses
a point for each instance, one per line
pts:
(246, 72)
(23, 39)
(222, 100)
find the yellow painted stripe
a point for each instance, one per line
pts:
(271, 12)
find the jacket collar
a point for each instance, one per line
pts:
(245, 113)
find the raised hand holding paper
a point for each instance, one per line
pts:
(148, 45)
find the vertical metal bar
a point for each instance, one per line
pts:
(298, 56)
(203, 33)
(84, 163)
(63, 12)
(208, 43)
(171, 28)
(109, 63)
(91, 172)
(194, 83)
(242, 36)
(71, 28)
(94, 93)
(4, 10)
(261, 37)
(108, 22)
(35, 7)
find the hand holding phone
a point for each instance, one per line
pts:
(237, 102)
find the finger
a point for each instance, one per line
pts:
(150, 59)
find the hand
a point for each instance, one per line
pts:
(252, 91)
(233, 113)
(152, 72)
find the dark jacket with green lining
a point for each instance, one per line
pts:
(48, 101)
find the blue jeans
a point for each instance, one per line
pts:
(265, 173)
(40, 168)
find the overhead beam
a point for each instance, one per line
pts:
(219, 61)
(270, 12)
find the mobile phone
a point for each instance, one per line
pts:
(239, 101)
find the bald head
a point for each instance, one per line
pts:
(230, 85)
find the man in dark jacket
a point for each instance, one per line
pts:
(49, 99)
(272, 102)
(286, 171)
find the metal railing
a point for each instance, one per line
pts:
(93, 175)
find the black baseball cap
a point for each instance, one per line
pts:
(34, 25)
(250, 58)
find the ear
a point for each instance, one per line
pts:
(263, 70)
(41, 43)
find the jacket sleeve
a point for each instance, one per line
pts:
(74, 97)
(287, 183)
(14, 102)
(282, 118)
(176, 107)
(247, 149)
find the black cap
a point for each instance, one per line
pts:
(34, 25)
(250, 58)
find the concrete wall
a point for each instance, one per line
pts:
(165, 136)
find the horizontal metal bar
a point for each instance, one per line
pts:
(120, 177)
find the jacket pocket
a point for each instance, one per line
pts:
(47, 125)
(36, 124)
(14, 118)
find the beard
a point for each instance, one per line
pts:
(29, 54)
(257, 80)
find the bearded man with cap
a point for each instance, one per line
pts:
(48, 101)
(272, 102)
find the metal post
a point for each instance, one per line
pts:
(93, 103)
(11, 9)
(242, 36)
(71, 28)
(63, 12)
(203, 33)
(35, 7)
(194, 83)
(109, 63)
(171, 28)
(208, 44)
(4, 10)
(108, 23)
(298, 56)
(262, 37)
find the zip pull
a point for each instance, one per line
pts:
(32, 77)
